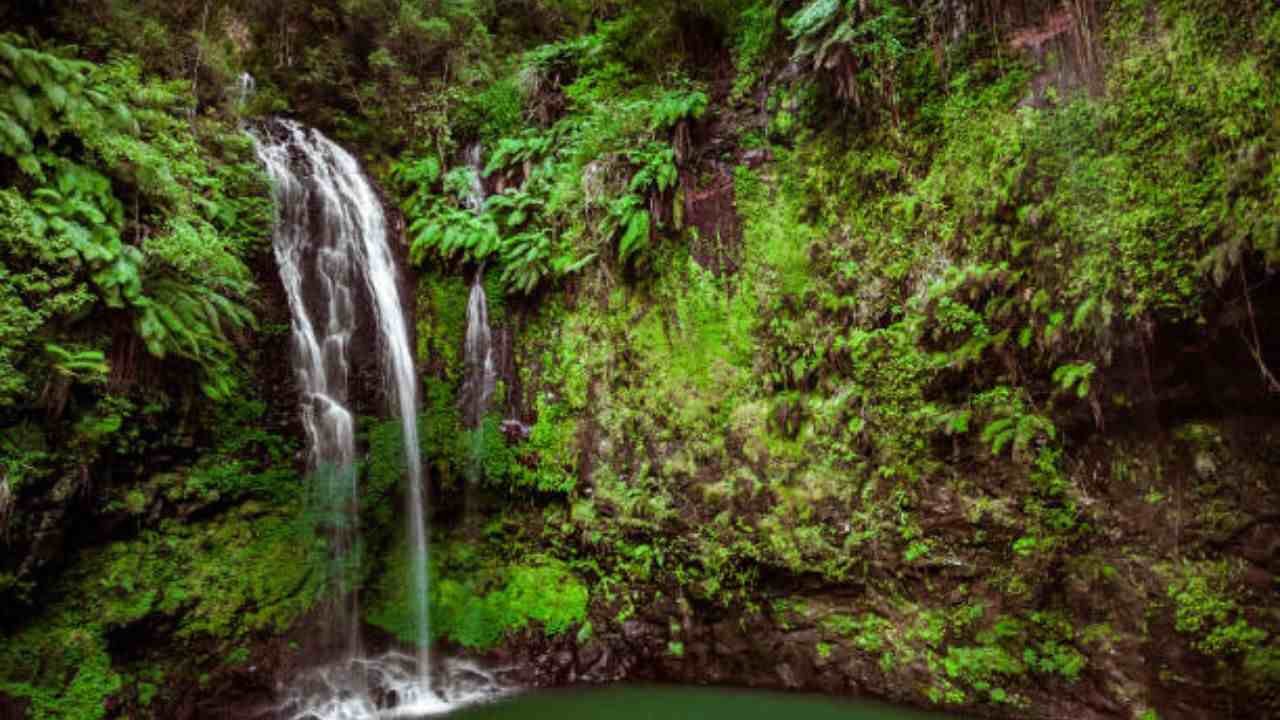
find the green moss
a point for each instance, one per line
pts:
(755, 32)
(551, 453)
(226, 579)
(478, 601)
(237, 576)
(978, 666)
(62, 667)
(545, 462)
(868, 632)
(695, 334)
(147, 693)
(245, 461)
(776, 236)
(442, 322)
(1208, 610)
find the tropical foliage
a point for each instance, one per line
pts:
(929, 341)
(84, 136)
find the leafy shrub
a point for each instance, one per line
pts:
(180, 284)
(861, 47)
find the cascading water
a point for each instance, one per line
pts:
(475, 160)
(317, 265)
(331, 245)
(481, 373)
(246, 86)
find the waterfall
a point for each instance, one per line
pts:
(475, 160)
(481, 374)
(246, 86)
(331, 246)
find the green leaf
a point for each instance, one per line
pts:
(30, 165)
(22, 104)
(57, 95)
(635, 235)
(18, 141)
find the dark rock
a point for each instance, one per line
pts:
(515, 431)
(12, 708)
(754, 158)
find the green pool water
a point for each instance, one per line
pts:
(679, 703)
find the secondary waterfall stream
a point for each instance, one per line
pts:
(481, 373)
(331, 246)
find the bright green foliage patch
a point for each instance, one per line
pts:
(244, 575)
(1208, 610)
(545, 462)
(63, 669)
(548, 595)
(228, 579)
(597, 182)
(183, 277)
(478, 601)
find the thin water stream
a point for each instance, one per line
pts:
(481, 374)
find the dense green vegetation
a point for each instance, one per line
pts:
(939, 279)
(926, 343)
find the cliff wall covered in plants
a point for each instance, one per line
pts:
(912, 348)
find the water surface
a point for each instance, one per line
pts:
(683, 703)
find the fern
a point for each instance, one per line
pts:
(46, 95)
(634, 225)
(1078, 377)
(657, 168)
(1013, 424)
(80, 364)
(513, 151)
(452, 233)
(193, 323)
(673, 107)
(954, 422)
(1018, 431)
(861, 46)
(81, 133)
(416, 174)
(526, 259)
(120, 281)
(812, 18)
(511, 228)
(513, 208)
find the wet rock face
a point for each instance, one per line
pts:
(12, 708)
(764, 657)
(1060, 39)
(34, 531)
(1116, 596)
